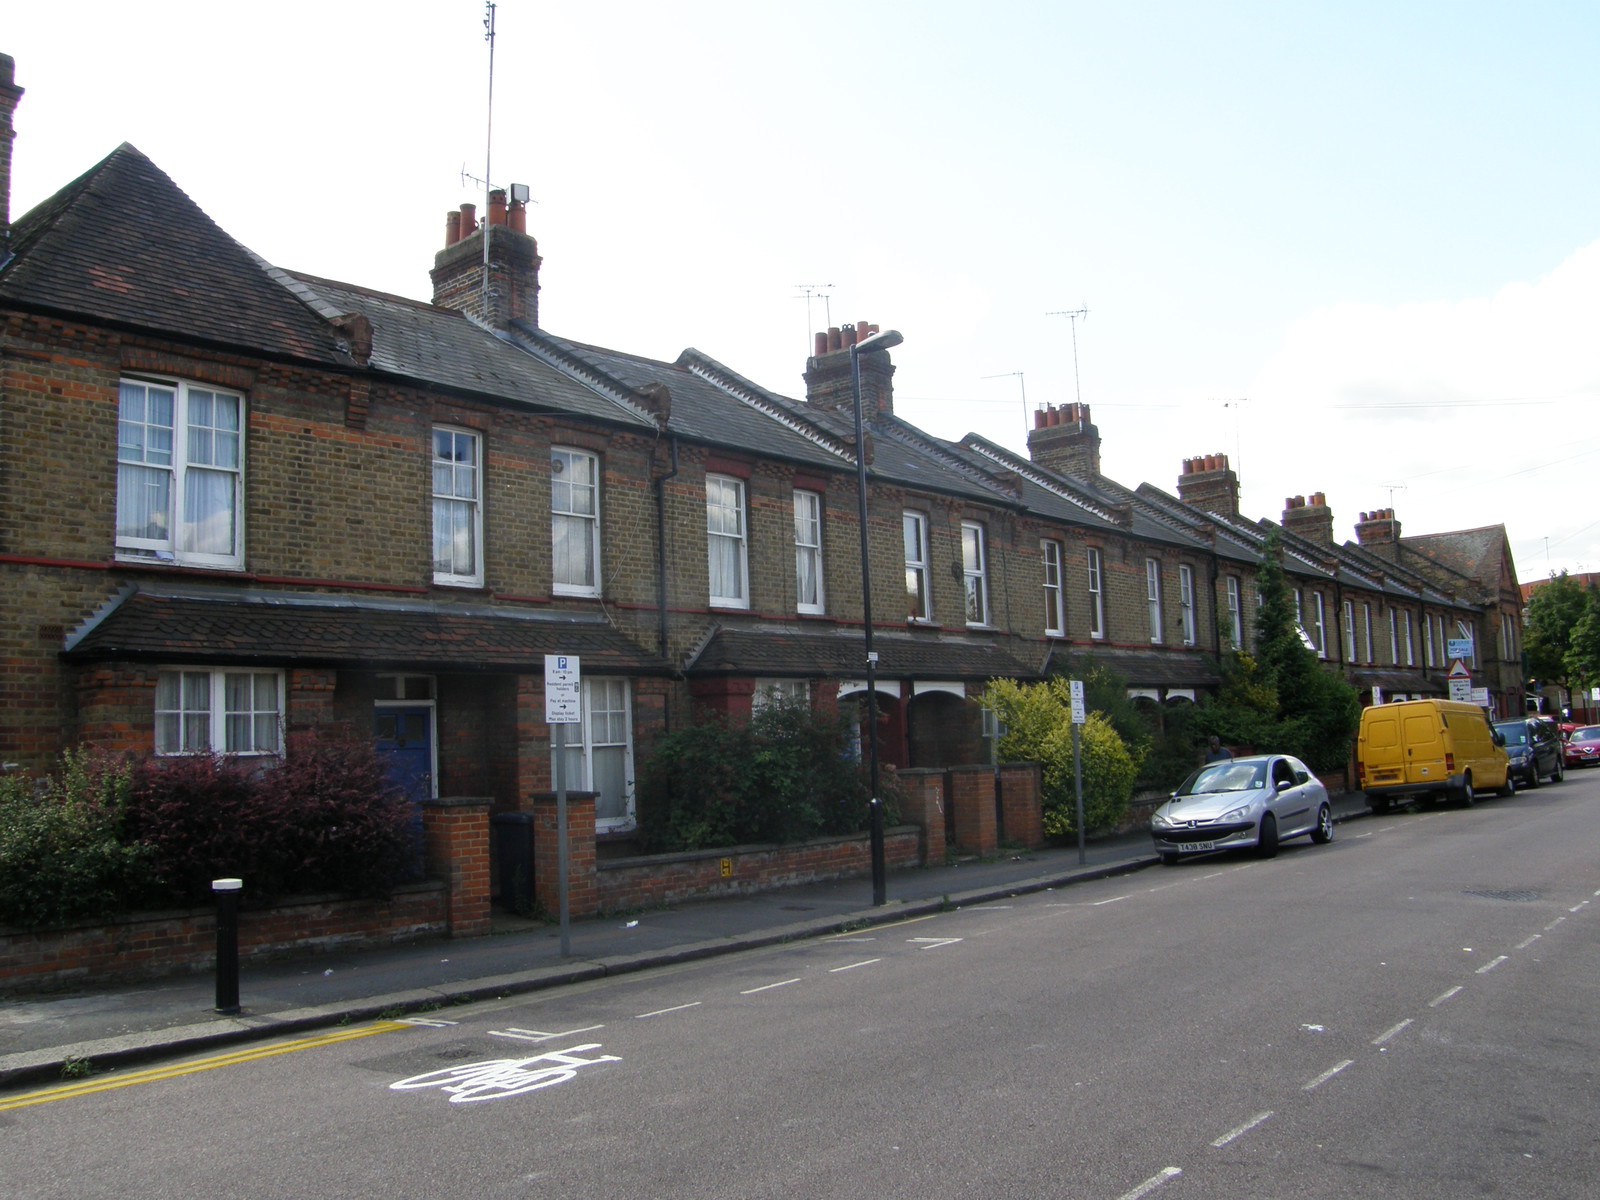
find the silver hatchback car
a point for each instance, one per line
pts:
(1243, 802)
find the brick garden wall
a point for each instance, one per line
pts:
(152, 945)
(628, 883)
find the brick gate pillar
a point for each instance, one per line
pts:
(923, 789)
(583, 896)
(1022, 803)
(455, 838)
(970, 795)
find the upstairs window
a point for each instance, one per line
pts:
(457, 507)
(1097, 606)
(180, 478)
(1319, 623)
(1235, 613)
(574, 522)
(914, 533)
(1055, 621)
(1152, 593)
(219, 712)
(1428, 659)
(1186, 602)
(975, 573)
(1366, 624)
(726, 551)
(1394, 638)
(1349, 631)
(1411, 650)
(808, 552)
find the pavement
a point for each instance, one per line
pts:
(49, 1036)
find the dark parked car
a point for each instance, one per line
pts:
(1583, 747)
(1534, 748)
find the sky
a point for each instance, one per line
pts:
(1354, 247)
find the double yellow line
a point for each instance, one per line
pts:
(105, 1083)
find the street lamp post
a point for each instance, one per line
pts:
(878, 341)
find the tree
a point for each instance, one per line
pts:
(1554, 611)
(1581, 662)
(1281, 699)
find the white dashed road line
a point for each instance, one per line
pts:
(1242, 1130)
(865, 962)
(661, 1012)
(1327, 1075)
(1440, 999)
(767, 987)
(1489, 966)
(1151, 1184)
(1390, 1032)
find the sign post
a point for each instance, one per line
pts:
(562, 707)
(1079, 716)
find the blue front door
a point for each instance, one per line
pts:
(403, 738)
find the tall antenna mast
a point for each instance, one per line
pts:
(1073, 316)
(1023, 384)
(809, 290)
(488, 151)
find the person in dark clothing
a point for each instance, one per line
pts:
(1217, 752)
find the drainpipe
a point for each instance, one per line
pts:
(661, 545)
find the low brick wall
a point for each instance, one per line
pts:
(646, 881)
(152, 945)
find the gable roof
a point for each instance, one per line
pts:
(123, 244)
(1482, 555)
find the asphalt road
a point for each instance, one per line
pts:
(1407, 1013)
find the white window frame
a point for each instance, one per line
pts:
(201, 720)
(178, 457)
(1429, 659)
(727, 529)
(1186, 602)
(975, 573)
(1152, 595)
(1394, 637)
(457, 489)
(1366, 610)
(809, 593)
(914, 538)
(1350, 631)
(1411, 645)
(1097, 606)
(574, 508)
(1321, 624)
(771, 692)
(581, 747)
(1055, 611)
(1236, 612)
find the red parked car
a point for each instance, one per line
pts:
(1583, 747)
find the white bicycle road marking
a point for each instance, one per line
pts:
(498, 1078)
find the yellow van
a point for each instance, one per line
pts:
(1429, 749)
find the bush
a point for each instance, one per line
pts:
(788, 774)
(323, 819)
(64, 852)
(1038, 726)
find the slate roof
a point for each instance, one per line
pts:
(441, 346)
(123, 244)
(205, 625)
(701, 410)
(1477, 554)
(1139, 667)
(784, 650)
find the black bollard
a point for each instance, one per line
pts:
(227, 894)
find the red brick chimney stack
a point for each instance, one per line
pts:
(1311, 519)
(827, 372)
(10, 94)
(513, 293)
(1380, 527)
(1210, 484)
(1065, 441)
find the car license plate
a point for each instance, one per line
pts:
(1196, 847)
